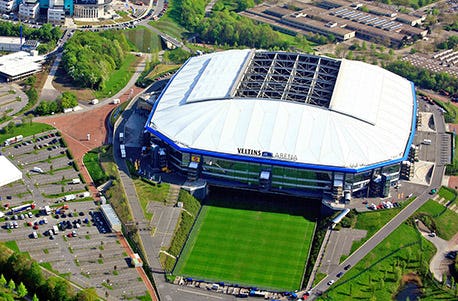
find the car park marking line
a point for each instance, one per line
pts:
(198, 293)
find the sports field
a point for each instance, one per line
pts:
(266, 249)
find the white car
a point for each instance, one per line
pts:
(330, 282)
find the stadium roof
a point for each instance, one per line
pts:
(10, 173)
(336, 114)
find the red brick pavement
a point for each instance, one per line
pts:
(76, 126)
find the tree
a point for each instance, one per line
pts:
(2, 281)
(21, 290)
(88, 294)
(11, 285)
(68, 100)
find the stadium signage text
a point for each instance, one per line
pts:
(259, 153)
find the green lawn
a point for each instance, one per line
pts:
(447, 193)
(446, 220)
(25, 130)
(11, 244)
(149, 192)
(377, 276)
(266, 249)
(168, 26)
(91, 161)
(373, 221)
(143, 38)
(119, 78)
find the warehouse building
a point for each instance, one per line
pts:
(282, 122)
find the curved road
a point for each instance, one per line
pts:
(378, 237)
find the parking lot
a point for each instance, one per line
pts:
(74, 240)
(47, 170)
(83, 250)
(12, 99)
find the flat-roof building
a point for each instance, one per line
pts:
(111, 217)
(11, 44)
(324, 28)
(342, 19)
(20, 64)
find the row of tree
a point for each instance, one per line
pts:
(19, 268)
(9, 290)
(65, 101)
(224, 26)
(89, 58)
(424, 78)
(46, 34)
(450, 43)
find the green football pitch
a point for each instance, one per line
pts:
(265, 249)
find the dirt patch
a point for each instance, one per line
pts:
(453, 182)
(64, 83)
(411, 278)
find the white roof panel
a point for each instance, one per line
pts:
(368, 122)
(10, 173)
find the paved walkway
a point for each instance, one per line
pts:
(140, 270)
(439, 264)
(49, 92)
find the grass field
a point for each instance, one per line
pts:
(168, 26)
(91, 161)
(119, 78)
(144, 39)
(447, 193)
(266, 249)
(377, 276)
(445, 219)
(149, 192)
(25, 130)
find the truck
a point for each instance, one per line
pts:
(55, 229)
(47, 210)
(13, 140)
(69, 197)
(21, 208)
(85, 194)
(76, 181)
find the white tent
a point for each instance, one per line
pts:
(10, 173)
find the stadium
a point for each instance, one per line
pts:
(288, 123)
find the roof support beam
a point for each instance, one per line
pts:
(292, 75)
(268, 76)
(313, 82)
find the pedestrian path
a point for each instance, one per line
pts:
(174, 192)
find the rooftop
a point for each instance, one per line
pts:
(20, 62)
(11, 40)
(364, 116)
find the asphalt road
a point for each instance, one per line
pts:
(378, 237)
